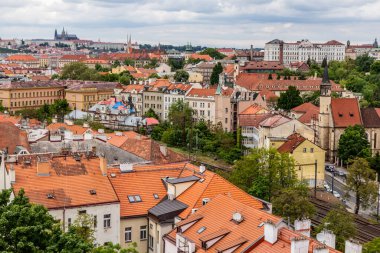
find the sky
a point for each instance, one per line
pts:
(213, 23)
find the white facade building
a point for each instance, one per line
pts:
(301, 51)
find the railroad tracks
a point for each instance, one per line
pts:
(366, 231)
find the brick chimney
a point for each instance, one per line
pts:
(352, 246)
(270, 232)
(302, 226)
(299, 245)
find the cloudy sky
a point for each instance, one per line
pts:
(216, 23)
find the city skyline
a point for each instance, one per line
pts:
(215, 23)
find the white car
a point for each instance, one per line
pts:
(336, 194)
(327, 187)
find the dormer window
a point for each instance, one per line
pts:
(205, 201)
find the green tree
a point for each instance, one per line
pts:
(181, 76)
(293, 203)
(54, 77)
(353, 143)
(263, 173)
(180, 117)
(341, 223)
(154, 75)
(363, 63)
(312, 97)
(361, 180)
(375, 67)
(79, 71)
(151, 114)
(115, 248)
(176, 64)
(290, 99)
(129, 62)
(374, 162)
(116, 64)
(213, 53)
(372, 246)
(214, 79)
(26, 227)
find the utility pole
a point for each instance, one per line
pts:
(315, 182)
(378, 197)
(332, 182)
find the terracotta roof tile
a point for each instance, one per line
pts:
(11, 136)
(371, 117)
(345, 112)
(253, 109)
(69, 181)
(292, 143)
(195, 92)
(75, 129)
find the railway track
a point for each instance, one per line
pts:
(366, 231)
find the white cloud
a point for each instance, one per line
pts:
(237, 23)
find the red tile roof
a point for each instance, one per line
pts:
(293, 141)
(11, 136)
(204, 57)
(21, 58)
(309, 112)
(253, 109)
(253, 120)
(345, 112)
(195, 92)
(133, 87)
(69, 181)
(216, 217)
(75, 129)
(263, 65)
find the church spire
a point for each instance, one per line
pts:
(325, 87)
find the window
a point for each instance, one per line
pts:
(151, 240)
(205, 201)
(304, 150)
(95, 221)
(81, 212)
(107, 221)
(143, 233)
(311, 150)
(69, 222)
(128, 234)
(134, 198)
(155, 195)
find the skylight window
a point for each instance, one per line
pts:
(134, 198)
(155, 195)
(201, 229)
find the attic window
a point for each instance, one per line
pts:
(201, 229)
(93, 192)
(351, 114)
(50, 196)
(205, 201)
(155, 195)
(134, 198)
(340, 114)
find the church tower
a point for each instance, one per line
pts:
(325, 110)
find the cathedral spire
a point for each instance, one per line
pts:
(325, 87)
(325, 78)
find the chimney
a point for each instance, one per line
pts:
(43, 167)
(352, 246)
(327, 237)
(202, 169)
(302, 226)
(103, 164)
(281, 58)
(299, 245)
(86, 125)
(321, 249)
(164, 150)
(270, 232)
(12, 174)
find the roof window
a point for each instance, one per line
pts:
(93, 192)
(50, 195)
(201, 229)
(134, 198)
(155, 195)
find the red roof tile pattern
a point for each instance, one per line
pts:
(253, 120)
(21, 58)
(195, 92)
(263, 65)
(310, 112)
(345, 112)
(217, 216)
(11, 136)
(75, 129)
(370, 117)
(68, 180)
(293, 141)
(253, 109)
(204, 57)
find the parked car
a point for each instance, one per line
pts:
(326, 186)
(341, 173)
(336, 194)
(329, 168)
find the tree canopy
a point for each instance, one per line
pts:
(353, 143)
(214, 79)
(361, 180)
(289, 99)
(341, 223)
(213, 53)
(181, 76)
(372, 246)
(293, 203)
(264, 173)
(79, 71)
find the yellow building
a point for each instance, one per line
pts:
(84, 95)
(28, 95)
(305, 154)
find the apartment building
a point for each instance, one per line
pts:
(26, 60)
(82, 95)
(69, 187)
(135, 91)
(202, 101)
(23, 95)
(205, 69)
(301, 51)
(174, 93)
